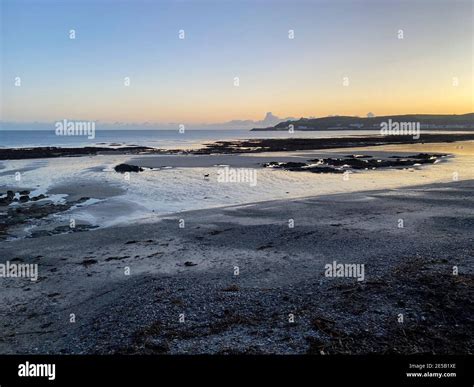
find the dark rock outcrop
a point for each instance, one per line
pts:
(122, 168)
(340, 165)
(46, 152)
(39, 197)
(24, 198)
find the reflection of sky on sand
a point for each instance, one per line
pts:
(163, 191)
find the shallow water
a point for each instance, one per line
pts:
(153, 193)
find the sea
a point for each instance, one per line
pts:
(165, 139)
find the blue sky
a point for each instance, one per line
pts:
(191, 80)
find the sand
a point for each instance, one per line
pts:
(182, 187)
(159, 288)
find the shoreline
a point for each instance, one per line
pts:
(188, 271)
(90, 191)
(128, 285)
(235, 147)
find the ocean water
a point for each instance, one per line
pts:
(153, 138)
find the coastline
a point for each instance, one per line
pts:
(234, 147)
(88, 190)
(128, 284)
(408, 271)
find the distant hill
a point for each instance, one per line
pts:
(427, 121)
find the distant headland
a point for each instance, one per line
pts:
(426, 121)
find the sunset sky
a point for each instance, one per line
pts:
(191, 80)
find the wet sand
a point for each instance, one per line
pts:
(88, 189)
(189, 273)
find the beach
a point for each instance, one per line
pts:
(158, 268)
(190, 271)
(89, 190)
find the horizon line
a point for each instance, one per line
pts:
(149, 123)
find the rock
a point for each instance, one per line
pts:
(189, 263)
(10, 194)
(39, 197)
(288, 165)
(49, 151)
(25, 192)
(358, 162)
(24, 198)
(122, 168)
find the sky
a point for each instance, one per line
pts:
(346, 58)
